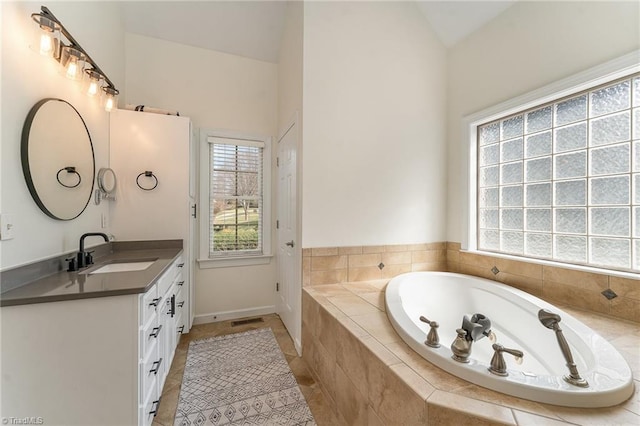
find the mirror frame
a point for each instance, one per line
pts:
(24, 157)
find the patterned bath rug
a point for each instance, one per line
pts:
(240, 379)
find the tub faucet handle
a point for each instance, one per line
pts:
(433, 340)
(498, 365)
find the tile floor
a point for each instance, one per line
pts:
(319, 406)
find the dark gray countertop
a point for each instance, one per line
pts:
(65, 285)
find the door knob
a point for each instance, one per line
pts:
(290, 243)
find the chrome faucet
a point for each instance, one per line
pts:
(85, 258)
(472, 329)
(551, 321)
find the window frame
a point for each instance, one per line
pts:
(233, 258)
(567, 87)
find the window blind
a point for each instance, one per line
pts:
(236, 196)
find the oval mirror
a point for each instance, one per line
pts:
(57, 159)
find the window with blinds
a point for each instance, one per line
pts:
(235, 197)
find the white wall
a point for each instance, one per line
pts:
(529, 46)
(290, 66)
(217, 91)
(374, 125)
(28, 77)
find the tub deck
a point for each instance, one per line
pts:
(372, 377)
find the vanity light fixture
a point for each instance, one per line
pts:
(76, 61)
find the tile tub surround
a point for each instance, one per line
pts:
(371, 377)
(334, 265)
(579, 289)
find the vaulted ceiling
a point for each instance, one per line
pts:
(253, 29)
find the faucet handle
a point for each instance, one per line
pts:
(433, 340)
(88, 258)
(498, 365)
(72, 264)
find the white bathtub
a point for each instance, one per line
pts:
(446, 297)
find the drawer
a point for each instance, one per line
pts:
(149, 407)
(149, 303)
(150, 335)
(150, 371)
(169, 277)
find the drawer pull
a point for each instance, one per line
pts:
(180, 283)
(181, 329)
(180, 265)
(155, 405)
(155, 369)
(154, 302)
(156, 331)
(181, 304)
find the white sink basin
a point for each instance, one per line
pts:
(122, 267)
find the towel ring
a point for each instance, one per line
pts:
(70, 170)
(146, 174)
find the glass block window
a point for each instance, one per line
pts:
(561, 181)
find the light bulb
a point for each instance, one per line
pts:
(108, 105)
(72, 70)
(46, 44)
(93, 88)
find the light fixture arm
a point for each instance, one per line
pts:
(74, 43)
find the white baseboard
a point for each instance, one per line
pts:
(229, 315)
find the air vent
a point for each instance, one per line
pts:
(246, 321)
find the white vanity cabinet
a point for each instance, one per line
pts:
(92, 361)
(159, 336)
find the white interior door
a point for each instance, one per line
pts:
(289, 290)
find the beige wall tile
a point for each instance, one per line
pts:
(625, 308)
(360, 260)
(335, 276)
(353, 356)
(428, 256)
(580, 279)
(310, 310)
(352, 327)
(353, 305)
(393, 400)
(396, 258)
(439, 245)
(361, 287)
(453, 245)
(420, 386)
(396, 248)
(437, 266)
(453, 255)
(306, 252)
(324, 251)
(306, 271)
(378, 326)
(380, 352)
(477, 271)
(328, 290)
(351, 404)
(597, 416)
(417, 247)
(574, 296)
(447, 408)
(390, 271)
(326, 263)
(327, 327)
(372, 249)
(625, 287)
(367, 273)
(324, 365)
(350, 250)
(516, 267)
(453, 267)
(531, 285)
(477, 260)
